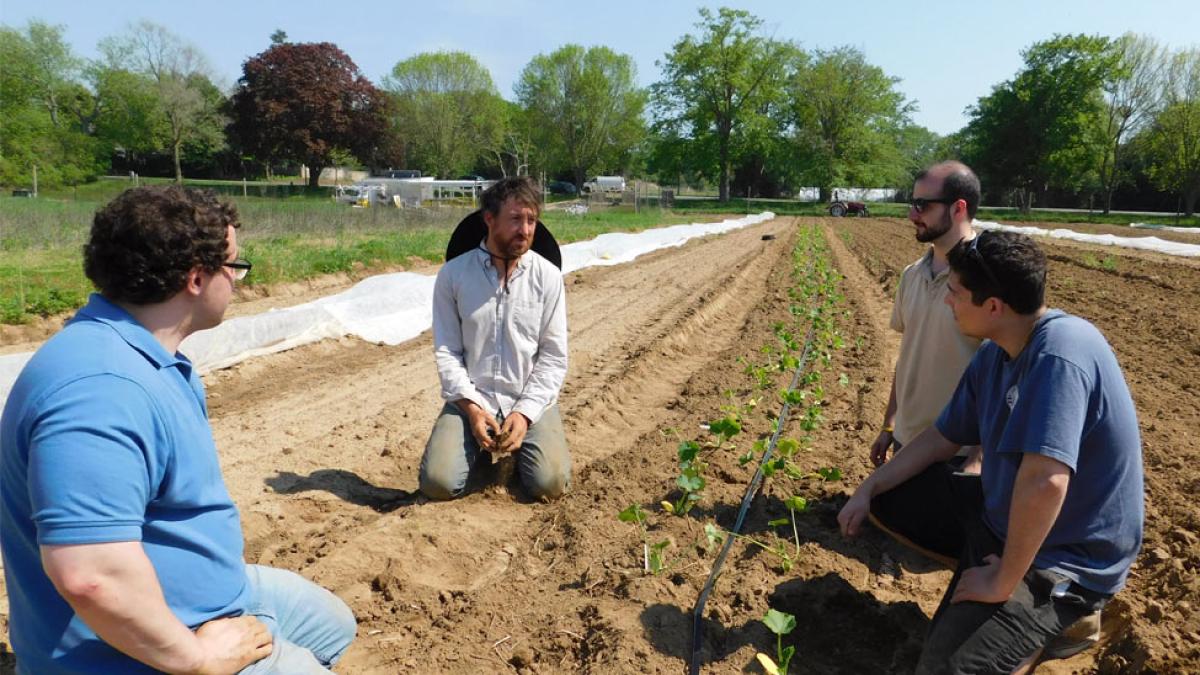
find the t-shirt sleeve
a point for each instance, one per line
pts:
(959, 420)
(92, 469)
(1050, 411)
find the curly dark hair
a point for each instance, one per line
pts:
(523, 188)
(1005, 265)
(144, 242)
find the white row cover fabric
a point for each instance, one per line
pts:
(1168, 228)
(388, 308)
(1142, 243)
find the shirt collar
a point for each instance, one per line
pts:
(485, 258)
(927, 262)
(103, 310)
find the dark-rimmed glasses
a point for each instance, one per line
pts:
(973, 249)
(240, 268)
(919, 204)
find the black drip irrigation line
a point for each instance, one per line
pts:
(698, 610)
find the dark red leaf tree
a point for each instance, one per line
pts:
(302, 102)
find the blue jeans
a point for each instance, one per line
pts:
(543, 461)
(311, 627)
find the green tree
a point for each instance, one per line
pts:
(128, 115)
(714, 83)
(849, 121)
(44, 120)
(584, 109)
(1042, 129)
(1131, 94)
(188, 102)
(1174, 138)
(447, 110)
(512, 151)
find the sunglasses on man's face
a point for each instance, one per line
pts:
(919, 204)
(240, 268)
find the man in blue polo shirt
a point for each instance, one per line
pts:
(122, 547)
(1055, 522)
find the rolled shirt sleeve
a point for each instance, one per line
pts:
(448, 348)
(550, 362)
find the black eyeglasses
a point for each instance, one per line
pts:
(919, 204)
(973, 249)
(240, 268)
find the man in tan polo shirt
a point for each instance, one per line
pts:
(933, 357)
(933, 353)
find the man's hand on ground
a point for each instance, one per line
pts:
(982, 584)
(513, 432)
(879, 449)
(232, 644)
(481, 421)
(851, 516)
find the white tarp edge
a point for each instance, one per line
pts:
(1168, 228)
(1142, 243)
(388, 308)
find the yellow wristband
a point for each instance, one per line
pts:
(889, 429)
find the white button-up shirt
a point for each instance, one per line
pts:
(503, 346)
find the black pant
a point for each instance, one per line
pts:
(941, 511)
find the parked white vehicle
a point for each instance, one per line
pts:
(604, 184)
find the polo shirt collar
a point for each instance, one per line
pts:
(927, 262)
(103, 310)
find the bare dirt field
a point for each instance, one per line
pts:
(320, 448)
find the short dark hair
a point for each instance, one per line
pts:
(144, 242)
(959, 182)
(1005, 265)
(523, 188)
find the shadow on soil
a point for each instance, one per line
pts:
(831, 619)
(345, 485)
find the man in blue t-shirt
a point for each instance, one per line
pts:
(1055, 522)
(122, 547)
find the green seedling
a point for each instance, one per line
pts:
(652, 554)
(795, 503)
(829, 474)
(779, 623)
(715, 535)
(690, 481)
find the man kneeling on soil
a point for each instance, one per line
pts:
(500, 340)
(122, 547)
(1055, 522)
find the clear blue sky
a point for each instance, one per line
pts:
(946, 54)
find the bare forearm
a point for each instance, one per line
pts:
(1038, 494)
(114, 589)
(929, 447)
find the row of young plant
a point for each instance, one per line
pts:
(815, 308)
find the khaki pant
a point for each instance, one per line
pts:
(543, 461)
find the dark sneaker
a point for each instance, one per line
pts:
(1075, 638)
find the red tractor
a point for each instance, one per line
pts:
(841, 208)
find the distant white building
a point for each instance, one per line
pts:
(812, 194)
(334, 175)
